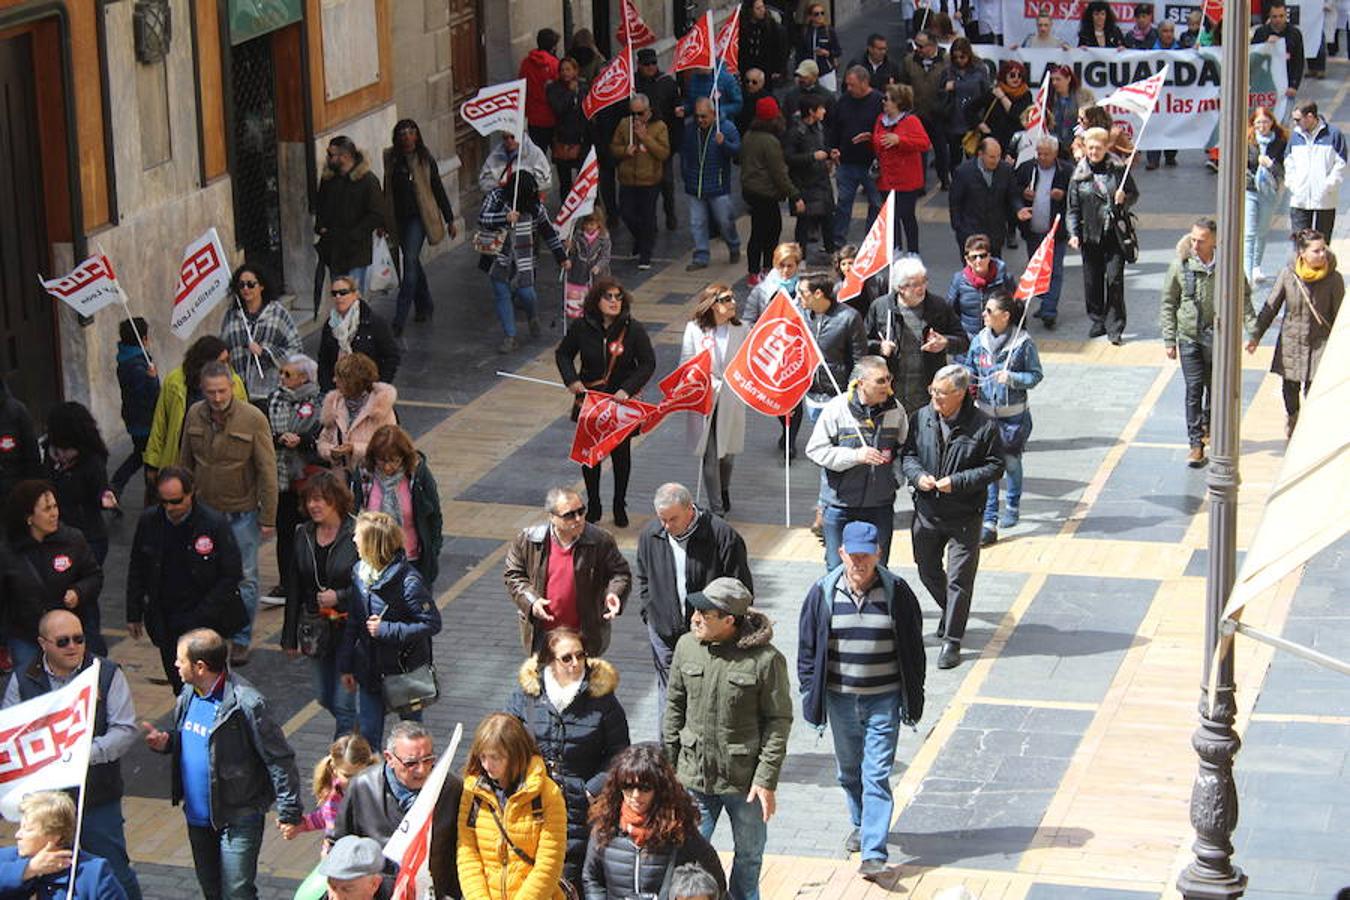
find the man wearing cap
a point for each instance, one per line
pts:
(728, 714)
(808, 85)
(857, 442)
(663, 91)
(354, 869)
(860, 665)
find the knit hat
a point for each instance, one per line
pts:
(766, 109)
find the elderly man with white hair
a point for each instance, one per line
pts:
(1042, 184)
(293, 412)
(913, 329)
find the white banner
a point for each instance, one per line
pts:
(203, 281)
(580, 199)
(498, 107)
(1187, 114)
(45, 742)
(89, 287)
(1019, 19)
(410, 844)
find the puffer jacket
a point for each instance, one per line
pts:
(34, 576)
(972, 457)
(1019, 357)
(535, 819)
(840, 336)
(705, 165)
(834, 446)
(1092, 191)
(339, 428)
(427, 518)
(577, 742)
(347, 210)
(1309, 314)
(1187, 306)
(166, 428)
(728, 710)
(967, 301)
(621, 870)
(700, 84)
(1314, 166)
(408, 620)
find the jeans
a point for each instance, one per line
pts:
(1012, 470)
(1196, 360)
(371, 713)
(662, 653)
(722, 210)
(227, 860)
(1324, 220)
(412, 285)
(766, 226)
(502, 295)
(103, 834)
(1260, 210)
(332, 696)
(1049, 308)
(866, 728)
(131, 465)
(835, 518)
(1104, 285)
(906, 220)
(849, 177)
(748, 833)
(953, 586)
(637, 208)
(248, 537)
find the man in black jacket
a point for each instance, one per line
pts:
(848, 132)
(952, 454)
(877, 63)
(348, 209)
(19, 456)
(913, 329)
(678, 553)
(184, 570)
(1276, 27)
(663, 92)
(983, 198)
(1042, 184)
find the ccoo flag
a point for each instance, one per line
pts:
(203, 281)
(89, 287)
(1139, 97)
(497, 107)
(45, 742)
(581, 199)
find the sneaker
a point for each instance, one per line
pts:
(988, 534)
(1196, 458)
(1150, 166)
(853, 843)
(239, 654)
(644, 265)
(734, 256)
(535, 328)
(872, 868)
(1048, 322)
(950, 656)
(1212, 165)
(752, 279)
(695, 266)
(1011, 516)
(275, 596)
(508, 345)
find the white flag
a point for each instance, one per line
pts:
(497, 107)
(1035, 129)
(1139, 97)
(410, 844)
(203, 281)
(45, 742)
(89, 287)
(581, 199)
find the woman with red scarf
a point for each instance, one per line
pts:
(982, 276)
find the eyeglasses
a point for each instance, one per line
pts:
(914, 285)
(818, 14)
(418, 762)
(977, 255)
(340, 292)
(991, 310)
(1012, 75)
(641, 787)
(248, 284)
(174, 501)
(939, 392)
(572, 514)
(568, 658)
(66, 640)
(403, 131)
(289, 373)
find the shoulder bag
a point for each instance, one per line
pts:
(569, 892)
(411, 690)
(1123, 228)
(970, 141)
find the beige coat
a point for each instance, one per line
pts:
(730, 409)
(339, 429)
(235, 465)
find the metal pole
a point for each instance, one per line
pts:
(1214, 802)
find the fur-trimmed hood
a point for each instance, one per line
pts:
(755, 630)
(601, 678)
(359, 171)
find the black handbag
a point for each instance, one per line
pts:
(314, 634)
(411, 690)
(1122, 223)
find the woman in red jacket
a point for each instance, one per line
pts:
(900, 142)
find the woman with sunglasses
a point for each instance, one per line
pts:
(354, 327)
(719, 437)
(643, 826)
(820, 44)
(293, 410)
(260, 332)
(616, 358)
(971, 287)
(567, 703)
(965, 81)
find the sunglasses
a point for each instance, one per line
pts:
(417, 762)
(613, 295)
(723, 299)
(248, 284)
(340, 292)
(977, 256)
(66, 640)
(572, 514)
(639, 786)
(568, 658)
(173, 501)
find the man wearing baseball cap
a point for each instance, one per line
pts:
(354, 868)
(728, 714)
(860, 664)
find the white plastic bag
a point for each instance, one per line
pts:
(382, 275)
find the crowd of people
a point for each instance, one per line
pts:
(251, 440)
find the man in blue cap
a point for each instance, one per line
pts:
(860, 664)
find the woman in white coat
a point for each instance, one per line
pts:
(716, 439)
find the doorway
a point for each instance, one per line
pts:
(28, 346)
(256, 171)
(466, 63)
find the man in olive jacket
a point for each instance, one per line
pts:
(728, 714)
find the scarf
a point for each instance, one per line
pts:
(560, 695)
(283, 414)
(389, 485)
(1138, 34)
(368, 573)
(63, 459)
(996, 341)
(344, 327)
(637, 827)
(977, 281)
(1307, 273)
(354, 406)
(1014, 93)
(889, 121)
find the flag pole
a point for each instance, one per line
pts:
(1021, 322)
(555, 384)
(248, 330)
(717, 70)
(79, 810)
(787, 470)
(122, 295)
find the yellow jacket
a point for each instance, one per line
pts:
(536, 820)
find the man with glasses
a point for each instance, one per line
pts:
(1314, 167)
(913, 329)
(952, 455)
(706, 154)
(923, 71)
(64, 656)
(183, 572)
(379, 797)
(755, 90)
(566, 572)
(642, 146)
(857, 442)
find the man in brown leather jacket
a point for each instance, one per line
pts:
(566, 572)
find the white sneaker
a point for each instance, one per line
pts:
(1258, 277)
(271, 600)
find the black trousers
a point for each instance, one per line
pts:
(906, 220)
(637, 206)
(806, 224)
(937, 136)
(567, 173)
(1292, 389)
(766, 226)
(953, 584)
(609, 195)
(289, 517)
(1196, 361)
(668, 188)
(1104, 285)
(1324, 220)
(542, 136)
(622, 460)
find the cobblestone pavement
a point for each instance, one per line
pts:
(1054, 762)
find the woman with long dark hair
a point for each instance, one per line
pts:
(616, 358)
(259, 331)
(514, 210)
(965, 81)
(1067, 97)
(1098, 28)
(77, 466)
(643, 825)
(422, 214)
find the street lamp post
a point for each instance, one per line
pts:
(1214, 802)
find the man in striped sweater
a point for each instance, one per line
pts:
(860, 665)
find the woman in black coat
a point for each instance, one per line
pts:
(77, 467)
(394, 473)
(353, 327)
(45, 565)
(319, 590)
(1099, 192)
(643, 820)
(567, 702)
(616, 358)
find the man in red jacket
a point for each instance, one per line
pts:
(538, 69)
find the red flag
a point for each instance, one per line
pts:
(1213, 10)
(613, 84)
(695, 49)
(875, 253)
(689, 387)
(603, 424)
(773, 369)
(632, 30)
(729, 42)
(1036, 279)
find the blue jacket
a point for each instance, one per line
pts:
(1019, 355)
(813, 644)
(140, 389)
(93, 880)
(728, 87)
(967, 301)
(408, 619)
(706, 164)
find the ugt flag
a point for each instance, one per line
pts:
(632, 30)
(89, 287)
(203, 281)
(45, 742)
(695, 49)
(603, 424)
(1036, 279)
(498, 107)
(613, 84)
(581, 199)
(773, 368)
(875, 253)
(410, 844)
(689, 387)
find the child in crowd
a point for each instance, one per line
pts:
(589, 250)
(347, 757)
(139, 383)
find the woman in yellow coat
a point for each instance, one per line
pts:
(512, 817)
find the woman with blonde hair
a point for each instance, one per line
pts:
(38, 865)
(512, 817)
(717, 439)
